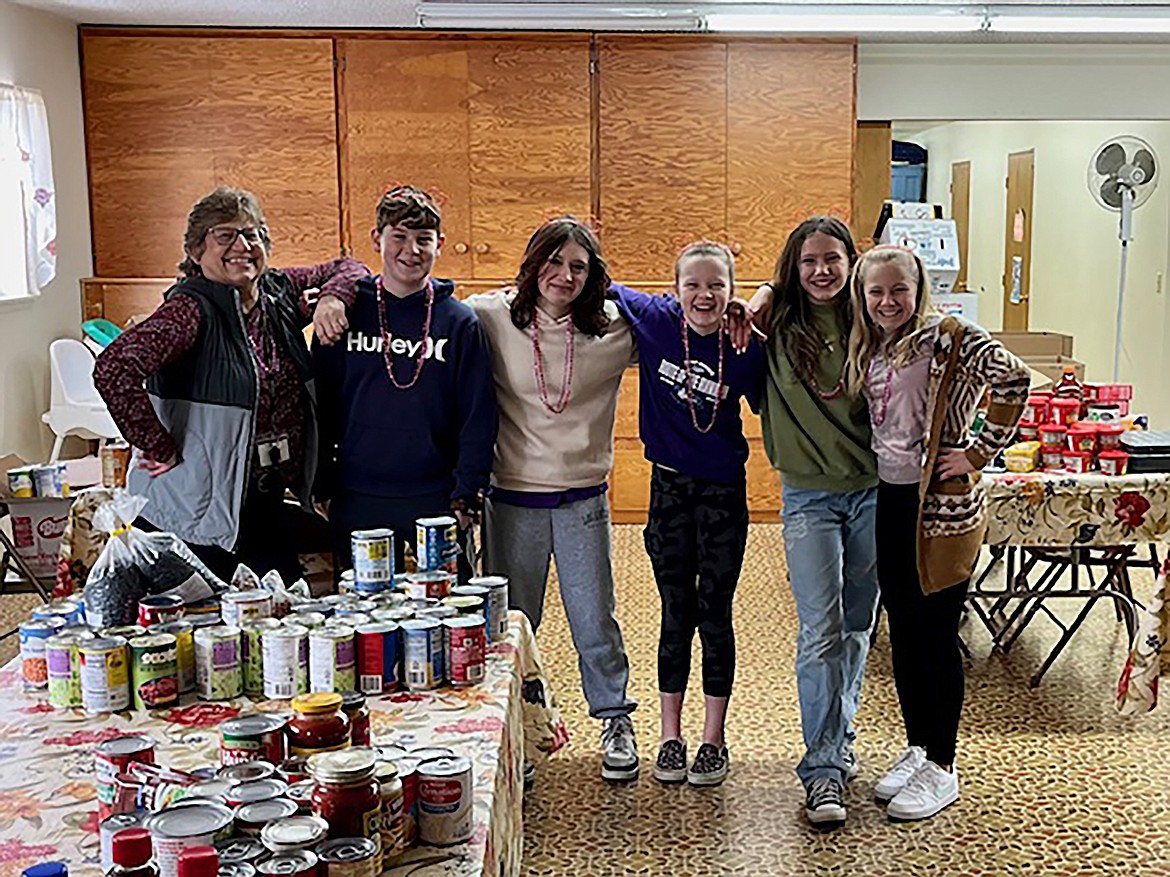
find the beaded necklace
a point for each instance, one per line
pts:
(387, 356)
(687, 378)
(538, 366)
(879, 416)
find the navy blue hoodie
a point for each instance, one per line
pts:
(438, 435)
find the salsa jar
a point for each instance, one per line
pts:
(318, 724)
(346, 794)
(353, 704)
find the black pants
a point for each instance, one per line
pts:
(351, 511)
(695, 535)
(924, 629)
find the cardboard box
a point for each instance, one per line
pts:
(1053, 367)
(37, 524)
(1031, 345)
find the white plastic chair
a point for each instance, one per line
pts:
(75, 408)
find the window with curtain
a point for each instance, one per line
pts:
(28, 204)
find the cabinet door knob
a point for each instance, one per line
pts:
(461, 248)
(482, 248)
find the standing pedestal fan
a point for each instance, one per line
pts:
(1122, 175)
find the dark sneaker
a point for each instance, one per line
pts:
(529, 775)
(710, 766)
(825, 804)
(619, 750)
(671, 766)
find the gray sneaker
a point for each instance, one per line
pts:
(619, 750)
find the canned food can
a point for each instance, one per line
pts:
(115, 458)
(395, 615)
(286, 661)
(64, 661)
(112, 757)
(378, 650)
(465, 604)
(201, 823)
(159, 610)
(331, 659)
(373, 559)
(245, 771)
(444, 801)
(72, 612)
(109, 827)
(466, 645)
(437, 544)
(426, 753)
(50, 480)
(252, 649)
(251, 818)
(236, 607)
(302, 793)
(422, 654)
(345, 582)
(301, 863)
(241, 850)
(392, 826)
(430, 585)
(257, 790)
(496, 613)
(294, 769)
(217, 663)
(408, 773)
(154, 669)
(184, 634)
(105, 674)
(256, 737)
(236, 869)
(20, 482)
(126, 631)
(294, 833)
(34, 661)
(349, 857)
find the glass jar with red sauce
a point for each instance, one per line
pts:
(346, 793)
(318, 725)
(353, 704)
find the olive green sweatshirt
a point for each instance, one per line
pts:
(817, 443)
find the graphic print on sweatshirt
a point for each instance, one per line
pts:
(704, 386)
(361, 342)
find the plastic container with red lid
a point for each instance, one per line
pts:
(1109, 436)
(1113, 462)
(1036, 408)
(1082, 436)
(1078, 462)
(1066, 410)
(1028, 431)
(1052, 435)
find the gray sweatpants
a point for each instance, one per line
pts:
(517, 542)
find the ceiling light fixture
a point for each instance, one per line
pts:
(550, 16)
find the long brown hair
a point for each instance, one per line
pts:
(792, 321)
(588, 309)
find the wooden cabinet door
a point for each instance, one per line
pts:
(529, 126)
(169, 118)
(790, 121)
(404, 114)
(663, 150)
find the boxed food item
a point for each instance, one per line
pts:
(1022, 457)
(37, 523)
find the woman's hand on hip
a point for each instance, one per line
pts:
(952, 463)
(329, 319)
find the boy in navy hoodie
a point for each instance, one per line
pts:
(408, 404)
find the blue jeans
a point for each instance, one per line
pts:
(832, 566)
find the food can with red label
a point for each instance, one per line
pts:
(429, 585)
(378, 657)
(109, 827)
(466, 645)
(408, 773)
(256, 737)
(113, 756)
(159, 610)
(444, 801)
(200, 823)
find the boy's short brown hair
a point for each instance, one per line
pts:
(409, 206)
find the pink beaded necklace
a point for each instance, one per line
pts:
(879, 416)
(538, 366)
(687, 378)
(387, 356)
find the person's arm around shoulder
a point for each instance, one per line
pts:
(131, 358)
(479, 421)
(336, 281)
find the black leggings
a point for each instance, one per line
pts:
(695, 535)
(924, 629)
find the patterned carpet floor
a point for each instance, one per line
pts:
(1053, 780)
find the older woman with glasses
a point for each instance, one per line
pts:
(215, 389)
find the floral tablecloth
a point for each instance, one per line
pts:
(48, 807)
(1093, 510)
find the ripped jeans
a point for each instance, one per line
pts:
(832, 567)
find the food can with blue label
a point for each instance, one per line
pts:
(437, 544)
(496, 607)
(373, 559)
(72, 612)
(422, 653)
(378, 657)
(34, 661)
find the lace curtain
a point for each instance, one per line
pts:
(28, 206)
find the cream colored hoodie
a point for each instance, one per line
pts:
(537, 450)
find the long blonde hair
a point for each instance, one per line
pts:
(867, 339)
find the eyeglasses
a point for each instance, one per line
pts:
(225, 237)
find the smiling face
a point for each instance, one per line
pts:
(891, 294)
(824, 267)
(408, 256)
(234, 253)
(562, 278)
(704, 288)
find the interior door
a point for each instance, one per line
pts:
(961, 214)
(1017, 269)
(871, 179)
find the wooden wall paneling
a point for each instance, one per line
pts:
(871, 179)
(530, 121)
(119, 299)
(275, 135)
(663, 150)
(790, 119)
(763, 484)
(406, 109)
(145, 102)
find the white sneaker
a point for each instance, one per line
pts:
(904, 768)
(927, 792)
(619, 750)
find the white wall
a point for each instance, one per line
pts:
(1075, 248)
(39, 50)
